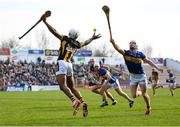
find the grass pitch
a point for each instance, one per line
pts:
(53, 108)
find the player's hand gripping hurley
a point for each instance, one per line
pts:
(46, 14)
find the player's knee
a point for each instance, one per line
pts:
(73, 89)
(144, 94)
(121, 93)
(101, 92)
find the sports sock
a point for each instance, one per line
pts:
(148, 107)
(72, 98)
(81, 100)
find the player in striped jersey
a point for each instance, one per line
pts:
(155, 81)
(64, 75)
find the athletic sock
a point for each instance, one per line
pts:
(148, 107)
(72, 98)
(81, 100)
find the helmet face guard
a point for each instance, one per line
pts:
(73, 34)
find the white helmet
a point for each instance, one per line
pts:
(74, 34)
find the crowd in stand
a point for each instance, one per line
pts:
(33, 73)
(23, 73)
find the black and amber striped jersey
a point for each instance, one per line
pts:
(68, 48)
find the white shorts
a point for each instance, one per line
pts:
(172, 85)
(65, 68)
(115, 85)
(136, 79)
(155, 81)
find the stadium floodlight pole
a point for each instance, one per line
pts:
(47, 14)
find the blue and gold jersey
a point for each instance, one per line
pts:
(106, 67)
(105, 74)
(134, 61)
(171, 77)
(68, 48)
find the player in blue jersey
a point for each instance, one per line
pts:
(96, 83)
(133, 60)
(111, 81)
(172, 81)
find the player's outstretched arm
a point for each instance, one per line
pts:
(51, 29)
(146, 60)
(94, 37)
(116, 46)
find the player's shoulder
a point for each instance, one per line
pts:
(105, 66)
(171, 73)
(126, 51)
(137, 53)
(65, 37)
(129, 51)
(140, 52)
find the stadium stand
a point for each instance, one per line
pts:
(42, 73)
(163, 76)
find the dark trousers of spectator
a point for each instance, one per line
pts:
(29, 88)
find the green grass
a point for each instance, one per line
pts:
(52, 108)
